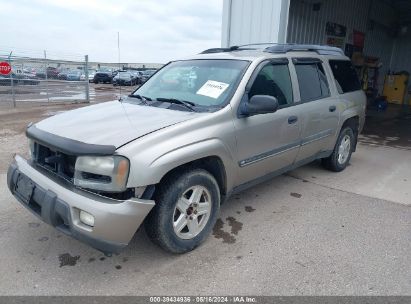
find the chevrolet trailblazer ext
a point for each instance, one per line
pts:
(197, 131)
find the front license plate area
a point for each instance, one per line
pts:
(24, 188)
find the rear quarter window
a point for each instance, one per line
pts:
(345, 76)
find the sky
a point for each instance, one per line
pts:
(151, 31)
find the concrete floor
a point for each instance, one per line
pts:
(309, 232)
(376, 171)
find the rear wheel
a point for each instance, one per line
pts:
(187, 205)
(341, 155)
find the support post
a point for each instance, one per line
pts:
(13, 94)
(87, 80)
(47, 81)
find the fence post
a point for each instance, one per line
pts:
(87, 80)
(13, 94)
(47, 81)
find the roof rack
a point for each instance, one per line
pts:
(320, 49)
(279, 48)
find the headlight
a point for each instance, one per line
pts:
(104, 173)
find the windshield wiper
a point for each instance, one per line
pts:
(142, 98)
(188, 104)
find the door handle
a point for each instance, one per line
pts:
(332, 108)
(292, 119)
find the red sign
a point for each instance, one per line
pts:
(5, 68)
(358, 39)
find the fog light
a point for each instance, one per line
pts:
(86, 218)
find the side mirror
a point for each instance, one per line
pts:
(259, 104)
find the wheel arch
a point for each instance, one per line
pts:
(354, 123)
(212, 164)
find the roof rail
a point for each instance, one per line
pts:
(320, 49)
(259, 45)
(233, 48)
(219, 50)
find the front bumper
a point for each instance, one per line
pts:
(122, 82)
(58, 203)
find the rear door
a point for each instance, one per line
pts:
(268, 142)
(318, 109)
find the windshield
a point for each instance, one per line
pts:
(205, 83)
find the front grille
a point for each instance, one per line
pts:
(55, 161)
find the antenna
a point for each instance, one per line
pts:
(118, 73)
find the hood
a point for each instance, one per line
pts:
(112, 123)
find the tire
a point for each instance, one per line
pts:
(341, 155)
(166, 213)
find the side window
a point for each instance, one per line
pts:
(345, 76)
(312, 81)
(274, 80)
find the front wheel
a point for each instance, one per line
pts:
(187, 206)
(341, 155)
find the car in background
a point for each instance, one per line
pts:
(63, 75)
(91, 74)
(74, 76)
(18, 79)
(40, 74)
(21, 73)
(51, 72)
(103, 76)
(146, 75)
(126, 78)
(5, 80)
(139, 75)
(30, 73)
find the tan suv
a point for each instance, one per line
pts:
(197, 131)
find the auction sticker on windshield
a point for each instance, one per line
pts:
(213, 89)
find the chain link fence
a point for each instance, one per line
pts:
(46, 77)
(36, 78)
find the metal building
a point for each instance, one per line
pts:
(380, 28)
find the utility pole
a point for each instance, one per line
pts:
(119, 68)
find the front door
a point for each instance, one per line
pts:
(268, 142)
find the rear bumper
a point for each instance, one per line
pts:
(58, 203)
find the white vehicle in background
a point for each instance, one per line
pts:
(91, 74)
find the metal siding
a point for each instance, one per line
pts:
(253, 21)
(401, 58)
(258, 21)
(308, 26)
